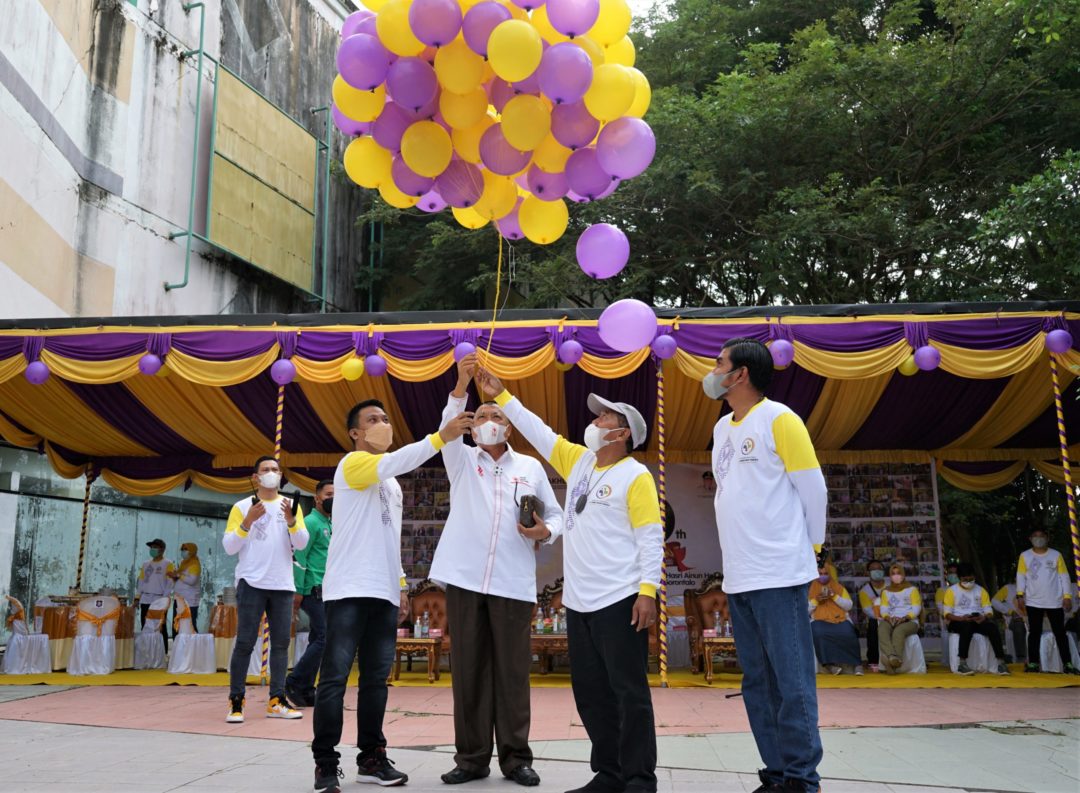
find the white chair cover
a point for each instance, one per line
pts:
(300, 645)
(27, 653)
(980, 658)
(192, 653)
(94, 649)
(914, 659)
(1050, 659)
(149, 644)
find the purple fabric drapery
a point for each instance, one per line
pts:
(422, 403)
(302, 431)
(637, 389)
(119, 407)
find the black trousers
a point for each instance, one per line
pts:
(1035, 631)
(872, 654)
(987, 628)
(490, 654)
(609, 676)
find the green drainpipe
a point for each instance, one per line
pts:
(326, 199)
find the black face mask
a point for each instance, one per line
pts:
(328, 505)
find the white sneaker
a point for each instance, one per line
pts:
(236, 711)
(858, 671)
(280, 709)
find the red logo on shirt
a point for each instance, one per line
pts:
(480, 470)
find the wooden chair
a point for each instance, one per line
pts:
(430, 597)
(701, 605)
(549, 598)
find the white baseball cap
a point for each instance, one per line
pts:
(638, 428)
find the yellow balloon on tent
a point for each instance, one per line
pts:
(621, 52)
(642, 94)
(539, 20)
(426, 148)
(613, 22)
(367, 163)
(394, 197)
(526, 121)
(468, 218)
(611, 92)
(462, 111)
(392, 25)
(352, 369)
(543, 222)
(550, 155)
(592, 49)
(499, 197)
(563, 367)
(459, 69)
(467, 141)
(356, 104)
(374, 5)
(908, 367)
(514, 50)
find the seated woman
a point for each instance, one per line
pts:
(836, 642)
(899, 609)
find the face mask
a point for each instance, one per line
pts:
(967, 584)
(877, 575)
(380, 436)
(270, 480)
(185, 554)
(328, 505)
(594, 437)
(1038, 542)
(823, 578)
(952, 578)
(153, 553)
(713, 385)
(489, 433)
(896, 578)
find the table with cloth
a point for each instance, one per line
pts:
(59, 623)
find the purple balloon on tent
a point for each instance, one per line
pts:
(407, 180)
(627, 325)
(461, 184)
(501, 92)
(479, 21)
(572, 125)
(571, 351)
(1059, 341)
(782, 352)
(573, 17)
(927, 358)
(282, 372)
(375, 365)
(36, 372)
(391, 124)
(585, 175)
(498, 155)
(565, 73)
(664, 347)
(413, 83)
(510, 226)
(431, 202)
(351, 25)
(347, 125)
(149, 364)
(547, 186)
(462, 349)
(602, 250)
(625, 147)
(435, 22)
(363, 61)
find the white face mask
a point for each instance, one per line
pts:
(1038, 542)
(489, 433)
(185, 554)
(713, 385)
(270, 480)
(967, 584)
(594, 437)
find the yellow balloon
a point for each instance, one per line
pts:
(489, 73)
(366, 162)
(563, 367)
(458, 68)
(550, 155)
(499, 197)
(468, 218)
(613, 22)
(356, 104)
(543, 222)
(908, 367)
(392, 25)
(642, 94)
(526, 121)
(462, 111)
(466, 5)
(514, 50)
(426, 148)
(352, 369)
(592, 49)
(467, 141)
(621, 52)
(539, 20)
(374, 5)
(611, 92)
(394, 197)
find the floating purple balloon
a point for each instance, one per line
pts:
(37, 372)
(585, 175)
(347, 125)
(577, 199)
(498, 155)
(625, 147)
(627, 325)
(565, 73)
(149, 364)
(413, 83)
(665, 346)
(462, 349)
(501, 92)
(528, 5)
(570, 351)
(573, 17)
(461, 184)
(610, 189)
(363, 61)
(1059, 341)
(480, 20)
(282, 372)
(602, 250)
(391, 124)
(431, 202)
(435, 22)
(375, 365)
(927, 358)
(783, 353)
(353, 21)
(407, 180)
(510, 226)
(546, 186)
(572, 125)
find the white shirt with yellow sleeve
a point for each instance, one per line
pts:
(364, 557)
(1004, 602)
(960, 602)
(771, 499)
(615, 547)
(1042, 579)
(868, 598)
(153, 579)
(265, 549)
(905, 603)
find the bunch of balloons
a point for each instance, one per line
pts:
(500, 109)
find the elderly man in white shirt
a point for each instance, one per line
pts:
(487, 561)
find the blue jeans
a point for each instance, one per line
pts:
(305, 669)
(370, 625)
(776, 652)
(251, 602)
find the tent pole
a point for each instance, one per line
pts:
(90, 477)
(661, 457)
(1070, 490)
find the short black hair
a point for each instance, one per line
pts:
(354, 414)
(755, 356)
(624, 423)
(878, 562)
(951, 564)
(965, 569)
(263, 459)
(1039, 528)
(323, 483)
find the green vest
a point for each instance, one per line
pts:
(309, 565)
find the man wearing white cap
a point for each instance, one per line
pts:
(614, 548)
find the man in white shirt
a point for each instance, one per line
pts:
(613, 549)
(1004, 603)
(155, 581)
(967, 611)
(364, 591)
(770, 513)
(263, 531)
(1043, 588)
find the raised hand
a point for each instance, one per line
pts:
(456, 427)
(466, 369)
(253, 514)
(490, 384)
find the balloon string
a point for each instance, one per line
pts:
(498, 285)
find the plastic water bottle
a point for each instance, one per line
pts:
(727, 629)
(539, 621)
(416, 629)
(562, 620)
(424, 626)
(716, 622)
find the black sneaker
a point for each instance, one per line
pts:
(326, 778)
(767, 784)
(296, 697)
(1032, 668)
(524, 775)
(375, 768)
(236, 710)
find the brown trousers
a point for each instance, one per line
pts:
(490, 656)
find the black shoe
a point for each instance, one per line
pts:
(375, 768)
(594, 787)
(524, 775)
(460, 775)
(296, 697)
(796, 786)
(1032, 668)
(1071, 670)
(767, 784)
(326, 779)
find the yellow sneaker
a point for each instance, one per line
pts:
(236, 710)
(279, 708)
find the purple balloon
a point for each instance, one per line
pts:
(510, 226)
(149, 364)
(577, 199)
(1059, 341)
(431, 202)
(363, 61)
(375, 365)
(585, 175)
(547, 186)
(479, 21)
(572, 125)
(602, 250)
(610, 189)
(927, 358)
(413, 83)
(37, 372)
(435, 22)
(627, 325)
(498, 155)
(665, 346)
(625, 147)
(528, 5)
(351, 25)
(573, 17)
(463, 349)
(282, 372)
(347, 125)
(500, 92)
(783, 353)
(407, 180)
(368, 26)
(461, 184)
(570, 351)
(530, 85)
(391, 124)
(565, 73)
